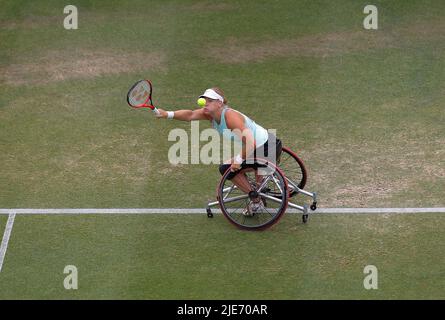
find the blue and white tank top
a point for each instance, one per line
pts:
(259, 133)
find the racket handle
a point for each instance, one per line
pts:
(156, 111)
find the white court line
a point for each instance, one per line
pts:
(6, 236)
(381, 210)
(127, 211)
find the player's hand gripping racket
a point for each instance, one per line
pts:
(139, 96)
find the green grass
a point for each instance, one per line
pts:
(192, 257)
(73, 142)
(3, 219)
(364, 109)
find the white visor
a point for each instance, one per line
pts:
(209, 93)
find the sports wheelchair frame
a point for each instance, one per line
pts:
(274, 185)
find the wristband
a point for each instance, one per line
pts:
(170, 114)
(238, 159)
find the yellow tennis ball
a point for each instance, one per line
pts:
(201, 102)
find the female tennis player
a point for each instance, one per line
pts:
(234, 125)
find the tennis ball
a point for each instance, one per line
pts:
(201, 102)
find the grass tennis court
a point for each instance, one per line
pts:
(363, 108)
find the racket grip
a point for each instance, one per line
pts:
(156, 111)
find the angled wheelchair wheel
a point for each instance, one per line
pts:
(294, 170)
(268, 184)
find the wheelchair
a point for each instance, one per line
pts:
(274, 184)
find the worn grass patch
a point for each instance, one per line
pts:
(80, 64)
(237, 50)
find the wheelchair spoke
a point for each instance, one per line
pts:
(271, 214)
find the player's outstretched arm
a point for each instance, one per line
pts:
(183, 115)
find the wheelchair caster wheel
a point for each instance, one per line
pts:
(305, 217)
(209, 213)
(314, 206)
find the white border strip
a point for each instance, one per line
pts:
(127, 211)
(5, 240)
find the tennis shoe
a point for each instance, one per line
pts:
(253, 208)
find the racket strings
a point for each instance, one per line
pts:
(140, 93)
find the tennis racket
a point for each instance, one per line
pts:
(139, 96)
